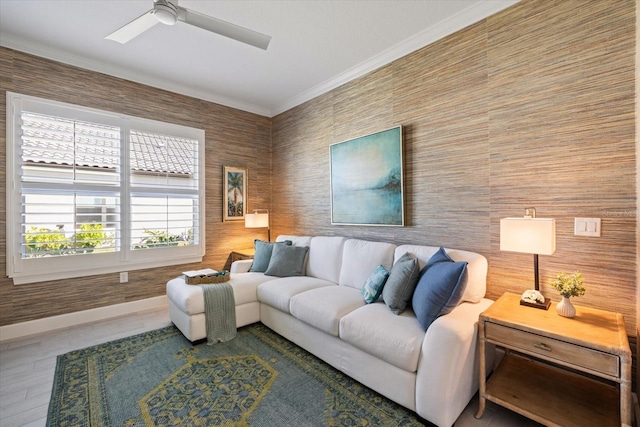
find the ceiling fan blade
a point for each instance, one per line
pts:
(224, 28)
(134, 28)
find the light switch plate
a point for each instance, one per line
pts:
(586, 227)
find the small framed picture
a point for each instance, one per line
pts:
(234, 203)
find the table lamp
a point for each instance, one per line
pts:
(529, 235)
(258, 219)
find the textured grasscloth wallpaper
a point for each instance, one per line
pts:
(533, 106)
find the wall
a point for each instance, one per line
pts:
(233, 138)
(532, 107)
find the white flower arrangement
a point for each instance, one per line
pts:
(569, 285)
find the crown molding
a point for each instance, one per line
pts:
(58, 55)
(474, 13)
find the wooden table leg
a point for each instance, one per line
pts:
(626, 409)
(482, 368)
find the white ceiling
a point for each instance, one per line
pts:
(316, 45)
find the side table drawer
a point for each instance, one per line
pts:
(572, 354)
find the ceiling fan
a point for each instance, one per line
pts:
(169, 13)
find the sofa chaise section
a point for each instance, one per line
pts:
(186, 303)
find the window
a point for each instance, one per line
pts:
(93, 192)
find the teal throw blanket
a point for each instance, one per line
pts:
(220, 312)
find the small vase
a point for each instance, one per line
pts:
(565, 308)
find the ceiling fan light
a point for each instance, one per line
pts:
(165, 13)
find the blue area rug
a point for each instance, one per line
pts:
(159, 378)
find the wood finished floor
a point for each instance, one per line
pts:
(27, 367)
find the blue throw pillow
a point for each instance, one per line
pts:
(440, 288)
(262, 255)
(373, 286)
(439, 256)
(401, 283)
(287, 261)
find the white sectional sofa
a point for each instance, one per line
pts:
(434, 373)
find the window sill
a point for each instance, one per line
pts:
(26, 278)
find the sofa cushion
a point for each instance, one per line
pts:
(190, 300)
(401, 283)
(373, 286)
(287, 261)
(263, 253)
(360, 258)
(440, 289)
(396, 339)
(324, 307)
(476, 269)
(325, 257)
(277, 293)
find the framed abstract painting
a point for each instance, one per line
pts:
(234, 192)
(367, 180)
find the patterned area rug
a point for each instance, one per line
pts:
(257, 379)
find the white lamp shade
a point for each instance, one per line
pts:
(528, 235)
(256, 220)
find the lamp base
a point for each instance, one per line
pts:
(541, 305)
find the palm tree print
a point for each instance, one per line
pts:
(234, 184)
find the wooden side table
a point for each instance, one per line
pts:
(557, 371)
(239, 254)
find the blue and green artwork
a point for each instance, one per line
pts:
(366, 180)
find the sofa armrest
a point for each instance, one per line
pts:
(447, 376)
(241, 266)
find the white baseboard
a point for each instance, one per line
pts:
(20, 330)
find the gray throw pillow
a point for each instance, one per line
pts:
(262, 255)
(402, 281)
(287, 261)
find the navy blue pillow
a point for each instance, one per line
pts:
(440, 288)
